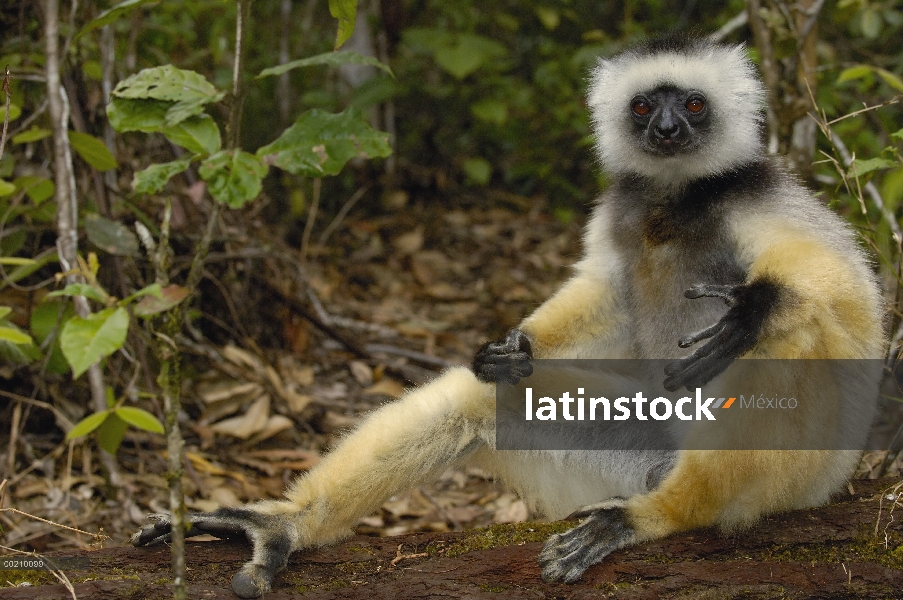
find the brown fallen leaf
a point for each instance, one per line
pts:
(254, 420)
(386, 387)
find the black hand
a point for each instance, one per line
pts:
(731, 337)
(506, 361)
(269, 534)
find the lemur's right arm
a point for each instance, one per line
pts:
(584, 310)
(570, 324)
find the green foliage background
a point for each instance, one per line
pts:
(487, 98)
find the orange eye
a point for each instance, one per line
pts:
(695, 105)
(641, 108)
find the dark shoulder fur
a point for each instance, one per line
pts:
(692, 212)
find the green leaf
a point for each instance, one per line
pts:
(233, 177)
(14, 335)
(892, 189)
(86, 340)
(549, 17)
(152, 179)
(320, 143)
(81, 289)
(188, 90)
(24, 271)
(46, 317)
(346, 12)
(111, 236)
(186, 109)
(199, 135)
(862, 166)
(478, 170)
(87, 425)
(32, 135)
(468, 52)
(333, 59)
(139, 418)
(19, 354)
(891, 79)
(490, 110)
(38, 189)
(897, 135)
(153, 289)
(111, 14)
(111, 432)
(5, 310)
(870, 21)
(862, 71)
(15, 111)
(170, 296)
(853, 73)
(148, 116)
(6, 188)
(92, 150)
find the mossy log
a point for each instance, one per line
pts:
(852, 548)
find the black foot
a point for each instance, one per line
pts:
(271, 536)
(605, 529)
(506, 361)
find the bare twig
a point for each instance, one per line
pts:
(894, 100)
(169, 378)
(97, 537)
(771, 70)
(400, 557)
(870, 188)
(311, 217)
(57, 573)
(349, 204)
(6, 91)
(13, 439)
(283, 85)
(107, 63)
(421, 357)
(732, 25)
(812, 13)
(67, 205)
(27, 121)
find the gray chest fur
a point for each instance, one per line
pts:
(666, 249)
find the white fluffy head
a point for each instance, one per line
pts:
(723, 73)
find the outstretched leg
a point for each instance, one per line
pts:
(399, 446)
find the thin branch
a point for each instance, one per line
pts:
(57, 573)
(96, 536)
(870, 188)
(728, 28)
(421, 357)
(67, 205)
(311, 217)
(62, 420)
(6, 91)
(813, 12)
(349, 204)
(771, 70)
(894, 100)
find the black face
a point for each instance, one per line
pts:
(670, 121)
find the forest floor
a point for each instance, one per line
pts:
(268, 392)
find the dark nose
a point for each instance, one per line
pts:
(667, 131)
(667, 128)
